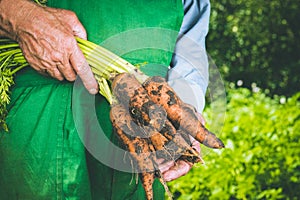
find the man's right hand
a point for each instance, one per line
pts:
(47, 39)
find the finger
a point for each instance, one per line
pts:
(67, 71)
(181, 168)
(83, 70)
(160, 161)
(48, 68)
(39, 69)
(195, 144)
(55, 73)
(163, 167)
(201, 118)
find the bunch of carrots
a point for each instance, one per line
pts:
(150, 120)
(164, 122)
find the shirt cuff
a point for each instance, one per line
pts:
(189, 93)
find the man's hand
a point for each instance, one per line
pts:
(173, 170)
(47, 39)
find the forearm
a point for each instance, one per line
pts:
(12, 13)
(189, 73)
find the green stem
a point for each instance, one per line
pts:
(19, 68)
(8, 53)
(105, 88)
(103, 59)
(8, 46)
(6, 61)
(111, 57)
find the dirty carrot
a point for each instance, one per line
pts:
(178, 144)
(129, 92)
(137, 146)
(150, 116)
(180, 114)
(140, 149)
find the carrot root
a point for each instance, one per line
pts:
(181, 115)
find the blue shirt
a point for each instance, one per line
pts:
(188, 74)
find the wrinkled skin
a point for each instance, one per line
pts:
(46, 37)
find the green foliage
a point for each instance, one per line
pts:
(262, 155)
(257, 42)
(6, 80)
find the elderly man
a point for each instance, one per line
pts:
(43, 157)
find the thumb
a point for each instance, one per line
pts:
(201, 118)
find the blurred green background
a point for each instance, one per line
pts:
(256, 47)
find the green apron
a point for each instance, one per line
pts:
(43, 157)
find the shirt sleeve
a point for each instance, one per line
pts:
(188, 73)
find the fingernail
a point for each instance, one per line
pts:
(93, 91)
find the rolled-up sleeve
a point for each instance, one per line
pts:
(188, 74)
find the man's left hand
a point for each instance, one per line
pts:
(172, 170)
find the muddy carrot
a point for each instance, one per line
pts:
(138, 147)
(180, 114)
(180, 143)
(132, 95)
